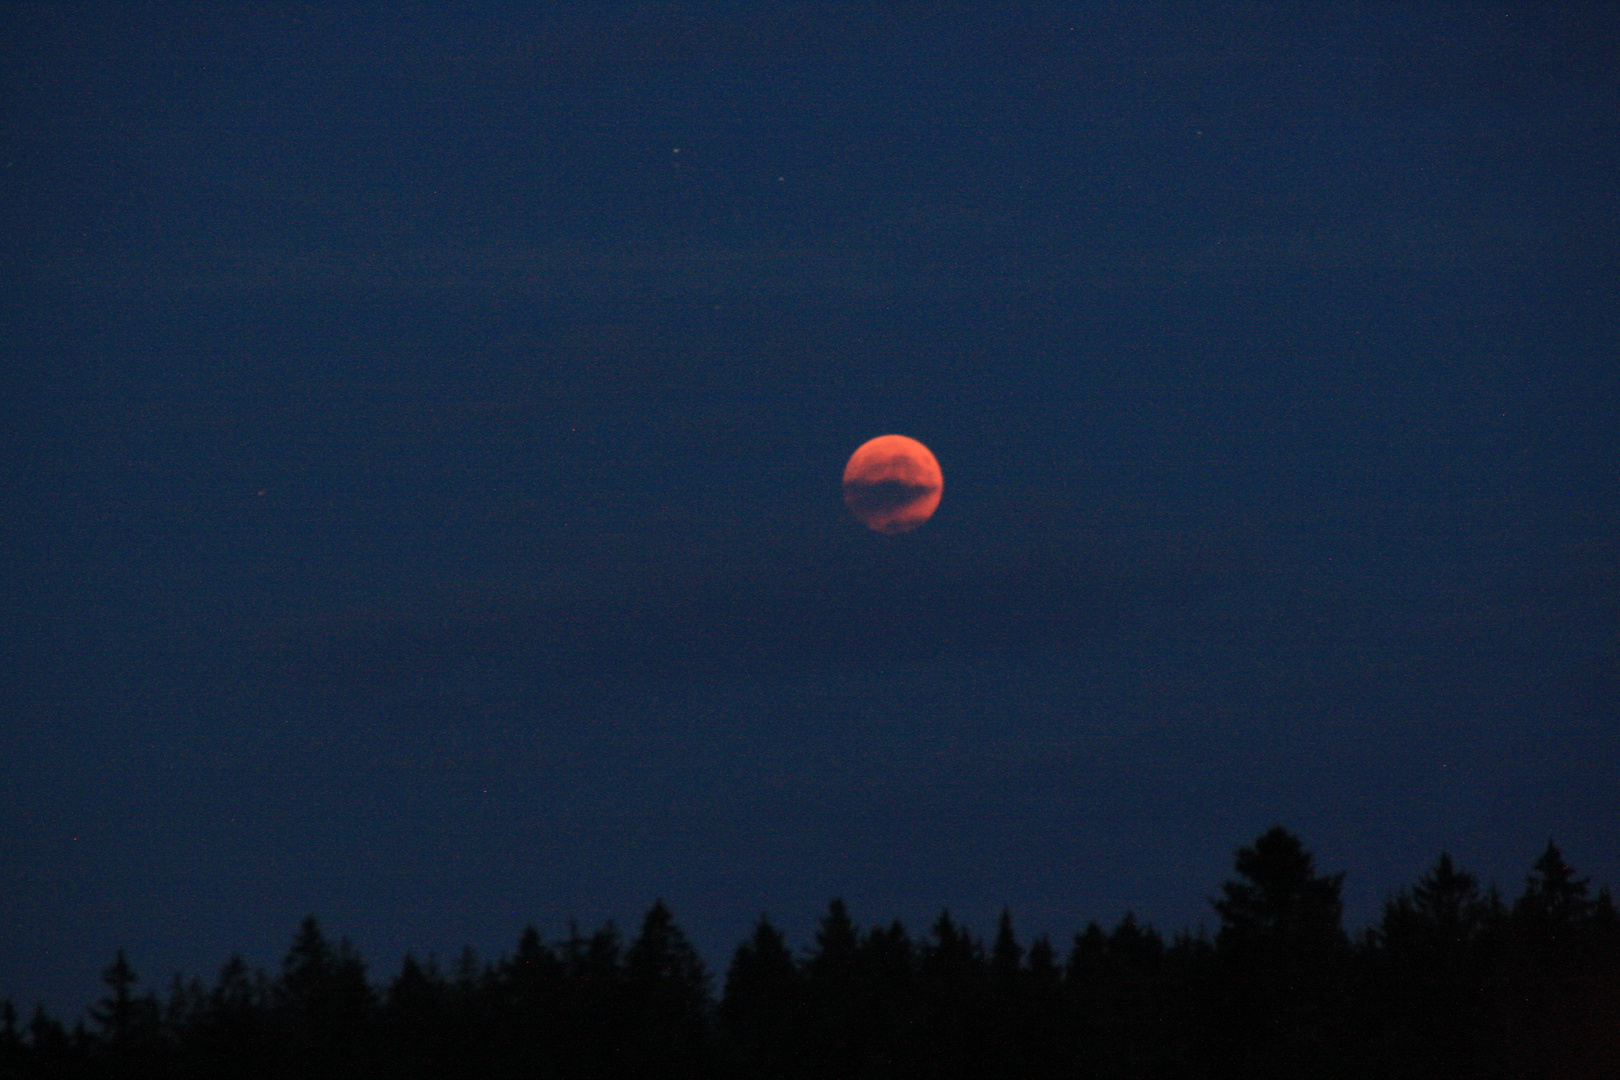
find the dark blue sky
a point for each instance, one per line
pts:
(423, 433)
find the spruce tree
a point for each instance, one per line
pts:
(323, 997)
(1278, 903)
(530, 987)
(885, 975)
(833, 1013)
(761, 1007)
(1282, 1003)
(953, 984)
(663, 961)
(115, 1014)
(667, 998)
(762, 982)
(1555, 900)
(1443, 912)
(832, 965)
(1006, 955)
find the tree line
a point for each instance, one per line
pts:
(1451, 981)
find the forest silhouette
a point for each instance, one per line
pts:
(1450, 981)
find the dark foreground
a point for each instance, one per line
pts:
(1452, 981)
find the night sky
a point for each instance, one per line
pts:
(422, 433)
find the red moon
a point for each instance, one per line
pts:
(892, 484)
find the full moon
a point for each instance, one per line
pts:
(892, 484)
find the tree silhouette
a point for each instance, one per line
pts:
(1026, 1009)
(530, 993)
(1442, 914)
(233, 1021)
(533, 975)
(322, 997)
(593, 963)
(762, 976)
(1133, 947)
(48, 1040)
(120, 1012)
(1285, 951)
(1431, 937)
(1006, 955)
(1554, 899)
(666, 994)
(1562, 971)
(830, 980)
(1114, 980)
(883, 1007)
(592, 1013)
(1086, 956)
(832, 966)
(14, 1051)
(761, 1010)
(1039, 1040)
(1043, 968)
(1279, 903)
(1448, 983)
(953, 985)
(662, 959)
(418, 1017)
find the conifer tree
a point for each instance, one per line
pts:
(762, 982)
(1444, 911)
(1281, 1007)
(953, 959)
(830, 980)
(1279, 902)
(832, 965)
(1426, 996)
(322, 995)
(1560, 985)
(886, 973)
(953, 981)
(233, 1016)
(594, 962)
(15, 1053)
(306, 970)
(122, 1017)
(1086, 957)
(114, 1012)
(532, 985)
(1132, 947)
(1554, 898)
(662, 961)
(418, 989)
(761, 1006)
(1006, 955)
(667, 998)
(416, 1000)
(186, 1007)
(887, 962)
(47, 1038)
(1042, 963)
